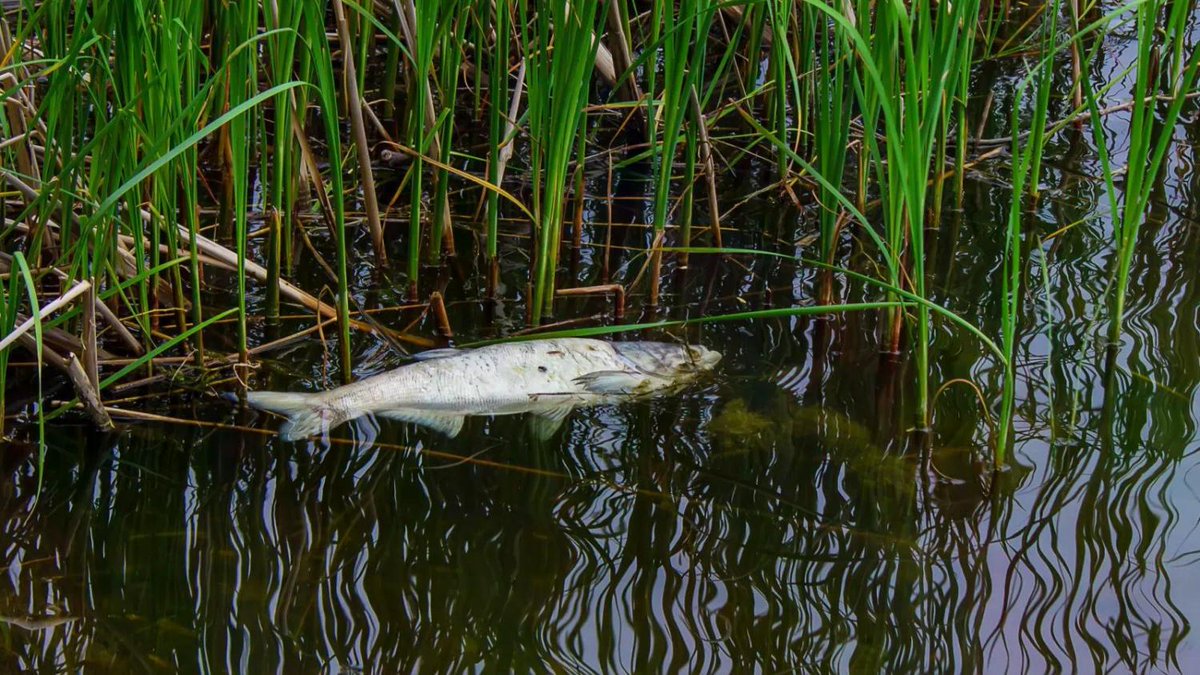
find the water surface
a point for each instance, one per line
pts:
(780, 516)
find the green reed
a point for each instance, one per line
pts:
(111, 191)
(961, 129)
(23, 273)
(1026, 165)
(422, 40)
(283, 17)
(451, 52)
(783, 73)
(498, 78)
(653, 31)
(832, 96)
(137, 106)
(429, 22)
(683, 53)
(10, 303)
(749, 315)
(911, 62)
(1162, 69)
(684, 39)
(754, 23)
(691, 143)
(242, 79)
(391, 68)
(560, 48)
(1037, 126)
(94, 145)
(906, 297)
(178, 193)
(189, 24)
(326, 95)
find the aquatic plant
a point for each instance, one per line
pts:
(1161, 65)
(560, 45)
(1026, 163)
(500, 128)
(832, 97)
(188, 159)
(429, 25)
(912, 62)
(684, 39)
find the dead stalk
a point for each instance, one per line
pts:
(47, 310)
(616, 290)
(88, 392)
(710, 171)
(438, 306)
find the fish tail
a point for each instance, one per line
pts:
(306, 413)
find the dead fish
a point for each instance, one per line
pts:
(548, 378)
(37, 623)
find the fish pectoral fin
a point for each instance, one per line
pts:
(433, 354)
(546, 422)
(610, 382)
(447, 423)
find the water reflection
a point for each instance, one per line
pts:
(773, 524)
(780, 518)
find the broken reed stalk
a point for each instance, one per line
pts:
(89, 393)
(438, 306)
(55, 305)
(91, 354)
(615, 290)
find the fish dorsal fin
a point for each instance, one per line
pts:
(547, 421)
(610, 382)
(447, 423)
(433, 354)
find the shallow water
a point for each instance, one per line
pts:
(779, 516)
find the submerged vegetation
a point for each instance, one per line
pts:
(166, 162)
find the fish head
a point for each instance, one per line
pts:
(669, 361)
(702, 358)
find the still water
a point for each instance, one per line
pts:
(779, 516)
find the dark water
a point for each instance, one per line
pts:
(778, 517)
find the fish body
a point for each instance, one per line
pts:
(548, 378)
(37, 623)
